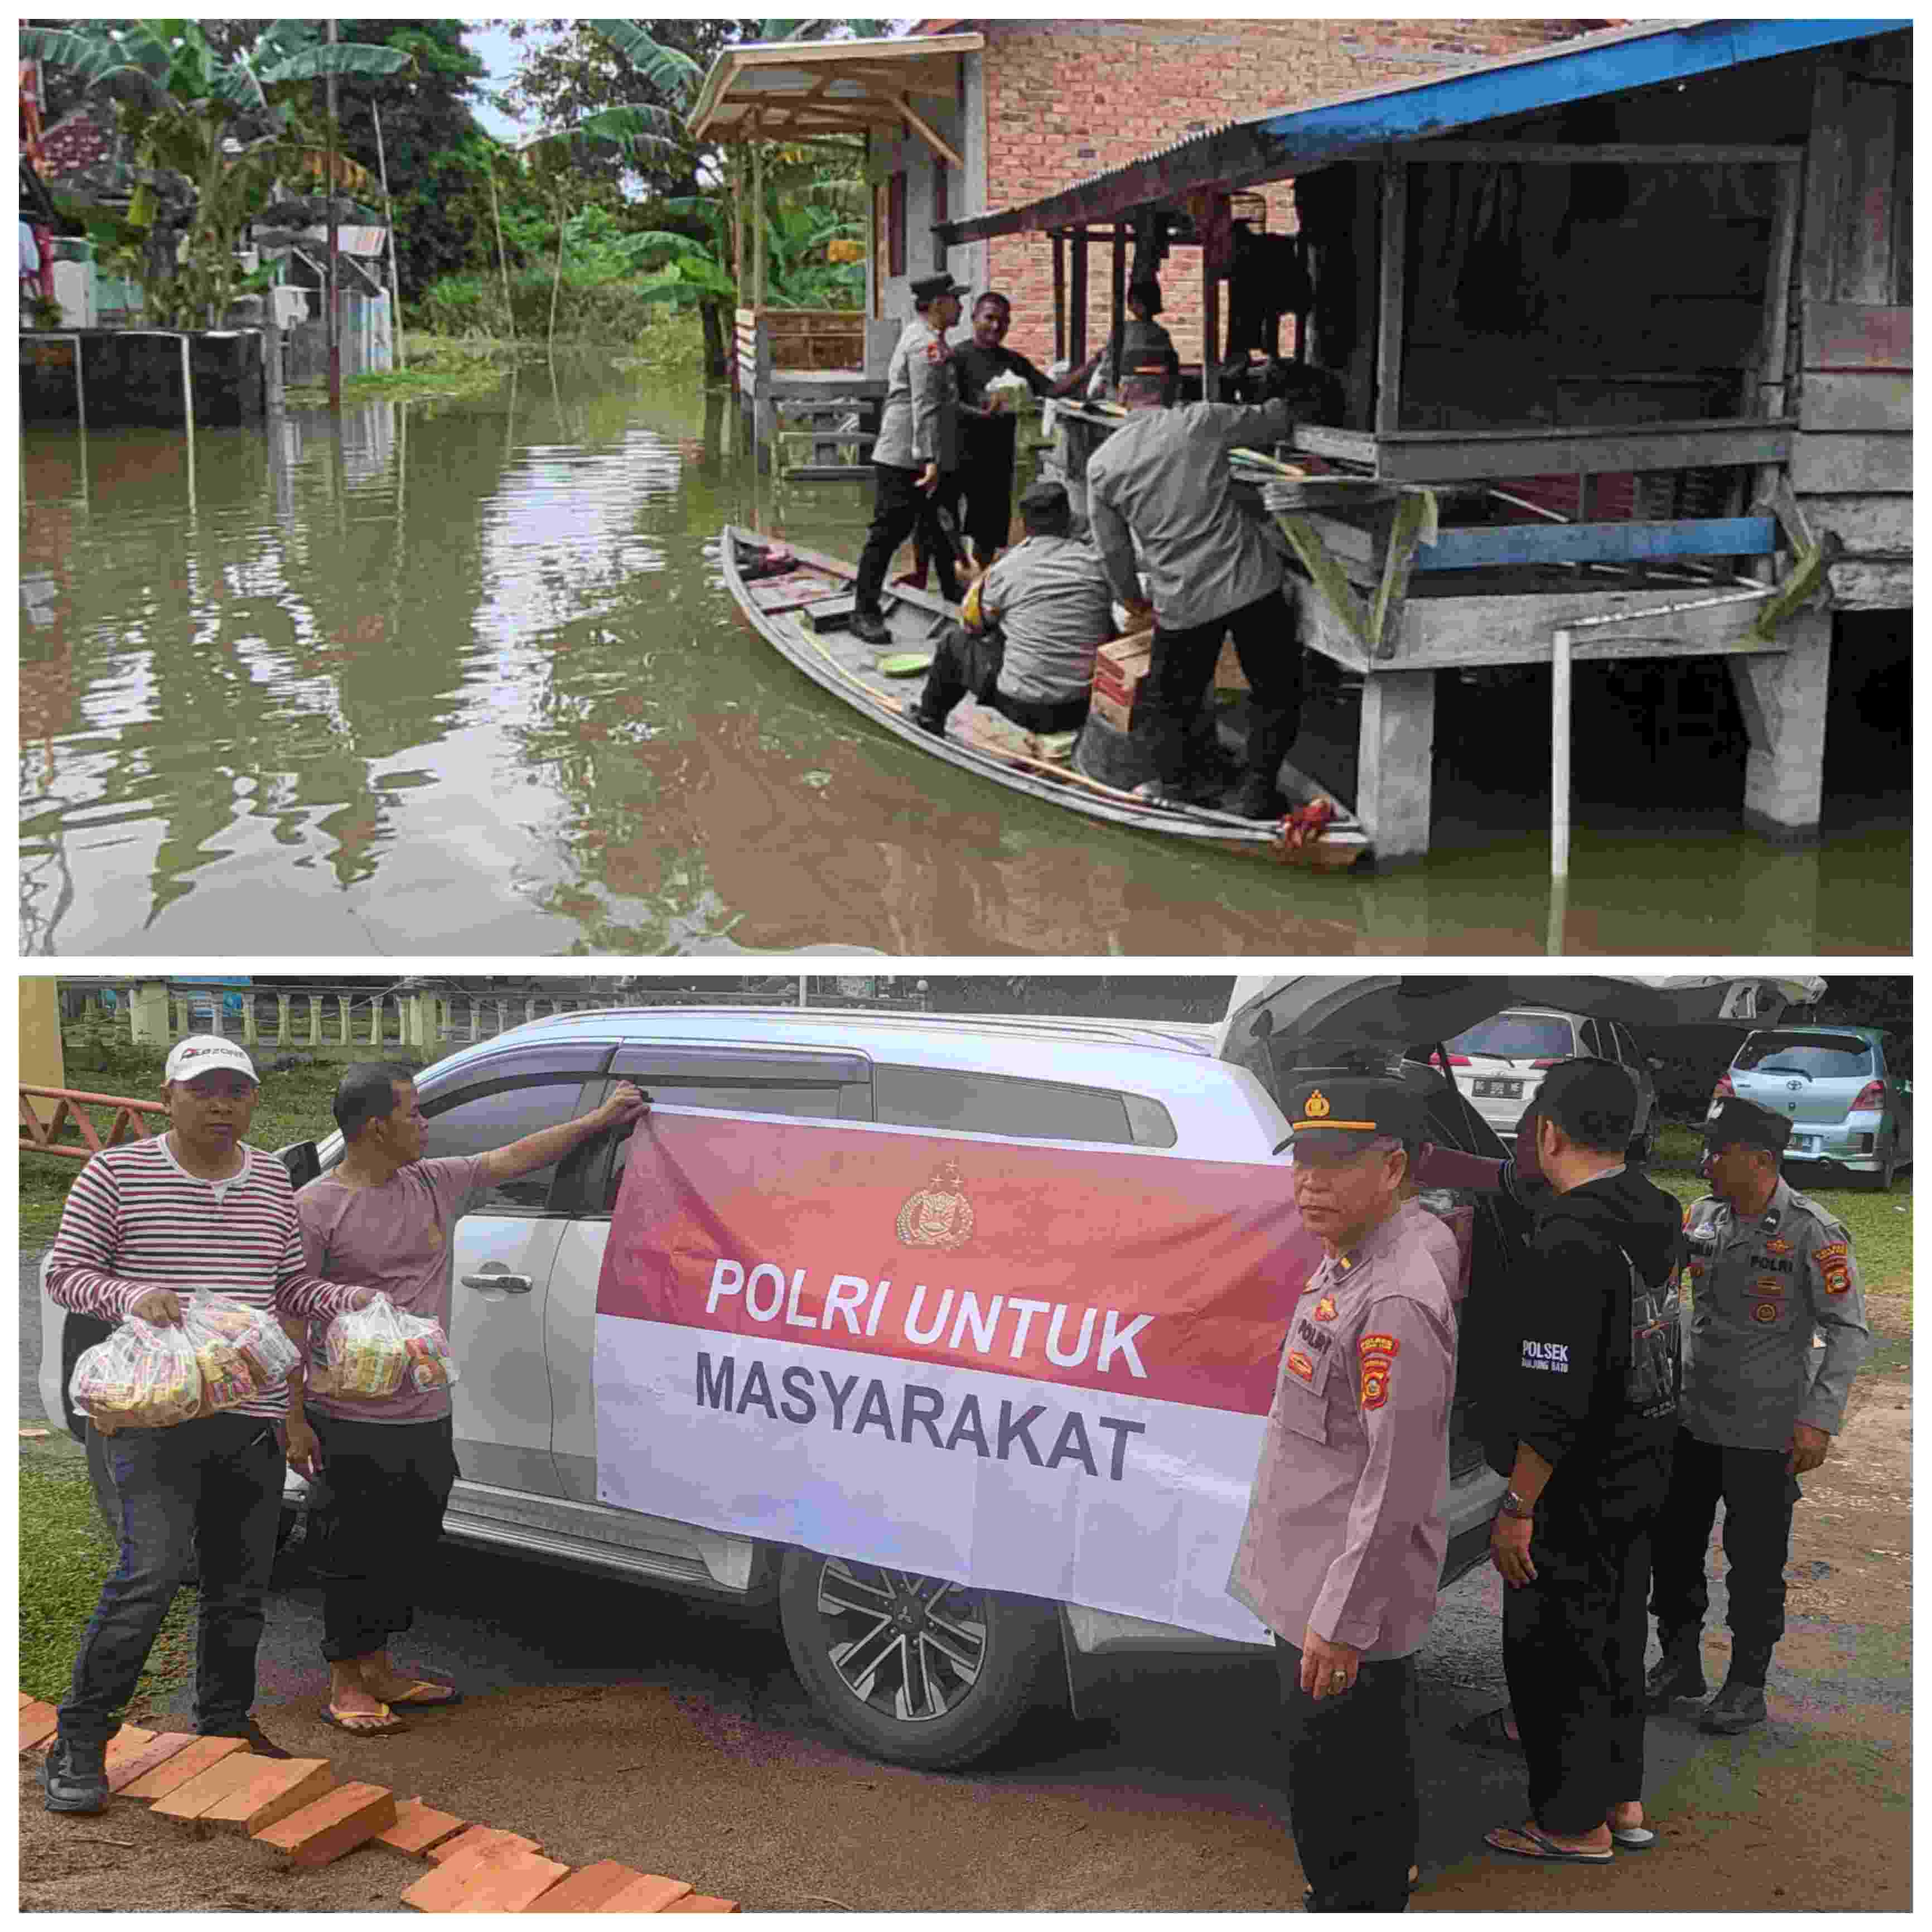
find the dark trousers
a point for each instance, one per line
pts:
(964, 665)
(1572, 1653)
(1183, 667)
(200, 1498)
(1352, 1804)
(388, 1484)
(899, 509)
(1758, 1495)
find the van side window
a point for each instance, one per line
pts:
(813, 1102)
(480, 1122)
(993, 1103)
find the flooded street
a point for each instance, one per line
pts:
(458, 678)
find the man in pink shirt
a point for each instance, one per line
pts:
(1342, 1549)
(385, 1216)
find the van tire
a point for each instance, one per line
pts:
(1022, 1641)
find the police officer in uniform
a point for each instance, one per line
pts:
(1768, 1267)
(918, 444)
(1342, 1548)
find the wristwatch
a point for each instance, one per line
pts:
(1513, 1505)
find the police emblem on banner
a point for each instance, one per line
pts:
(1378, 1353)
(938, 1215)
(1835, 1263)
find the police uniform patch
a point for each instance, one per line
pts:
(1697, 1269)
(1298, 1364)
(1769, 1284)
(1378, 1353)
(935, 352)
(1324, 1309)
(1778, 1245)
(1835, 1263)
(1765, 1311)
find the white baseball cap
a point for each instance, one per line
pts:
(207, 1053)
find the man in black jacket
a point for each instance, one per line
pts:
(1589, 1389)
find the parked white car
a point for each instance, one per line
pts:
(1500, 1062)
(527, 1261)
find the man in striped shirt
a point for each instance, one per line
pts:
(194, 1209)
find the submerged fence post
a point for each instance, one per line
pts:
(1559, 756)
(188, 403)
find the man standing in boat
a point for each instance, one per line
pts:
(918, 443)
(1034, 624)
(1165, 515)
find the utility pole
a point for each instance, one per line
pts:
(334, 332)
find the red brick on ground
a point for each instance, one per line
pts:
(26, 1698)
(336, 1823)
(480, 1838)
(182, 1766)
(165, 1745)
(697, 1902)
(188, 1801)
(418, 1826)
(279, 1786)
(493, 1878)
(38, 1723)
(125, 1745)
(650, 1893)
(609, 1886)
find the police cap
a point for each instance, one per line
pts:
(930, 288)
(1351, 1104)
(1744, 1123)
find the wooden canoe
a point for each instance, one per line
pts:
(779, 585)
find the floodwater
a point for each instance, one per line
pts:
(458, 678)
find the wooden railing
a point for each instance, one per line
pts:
(38, 1136)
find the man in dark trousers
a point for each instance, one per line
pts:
(916, 448)
(1165, 516)
(1587, 1389)
(1769, 1269)
(1342, 1552)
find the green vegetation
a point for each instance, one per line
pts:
(66, 1555)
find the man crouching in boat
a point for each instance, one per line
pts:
(918, 442)
(1034, 624)
(1164, 514)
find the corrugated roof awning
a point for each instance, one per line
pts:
(789, 91)
(1272, 147)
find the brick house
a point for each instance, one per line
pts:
(1041, 104)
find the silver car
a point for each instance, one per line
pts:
(1500, 1062)
(1840, 1087)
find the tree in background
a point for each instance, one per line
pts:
(213, 127)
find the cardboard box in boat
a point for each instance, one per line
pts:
(1121, 667)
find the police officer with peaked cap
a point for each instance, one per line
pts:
(917, 444)
(1342, 1548)
(1768, 1267)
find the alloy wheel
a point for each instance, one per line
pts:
(909, 1646)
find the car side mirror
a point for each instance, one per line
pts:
(303, 1163)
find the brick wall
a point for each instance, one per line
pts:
(1069, 98)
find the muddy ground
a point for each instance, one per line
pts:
(609, 1723)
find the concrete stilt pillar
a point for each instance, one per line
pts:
(314, 1019)
(284, 1035)
(148, 1014)
(250, 1034)
(1397, 752)
(1782, 695)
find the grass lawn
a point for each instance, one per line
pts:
(294, 1106)
(66, 1554)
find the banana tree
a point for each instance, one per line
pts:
(211, 137)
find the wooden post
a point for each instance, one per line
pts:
(737, 245)
(1077, 330)
(1390, 296)
(1361, 375)
(1059, 297)
(758, 227)
(389, 215)
(1119, 289)
(1770, 395)
(556, 281)
(1210, 330)
(502, 260)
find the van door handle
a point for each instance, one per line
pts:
(496, 1275)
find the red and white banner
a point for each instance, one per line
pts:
(1028, 1367)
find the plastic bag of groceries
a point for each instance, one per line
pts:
(363, 1354)
(242, 1352)
(428, 1349)
(1007, 394)
(145, 1375)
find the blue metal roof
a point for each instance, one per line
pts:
(1295, 140)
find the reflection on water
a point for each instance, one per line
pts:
(458, 678)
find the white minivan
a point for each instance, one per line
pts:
(527, 1261)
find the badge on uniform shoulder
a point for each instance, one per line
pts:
(1378, 1353)
(1324, 1309)
(1835, 1263)
(1298, 1364)
(935, 352)
(1765, 1311)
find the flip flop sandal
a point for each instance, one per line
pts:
(1488, 1731)
(1634, 1838)
(1547, 1848)
(439, 1695)
(385, 1724)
